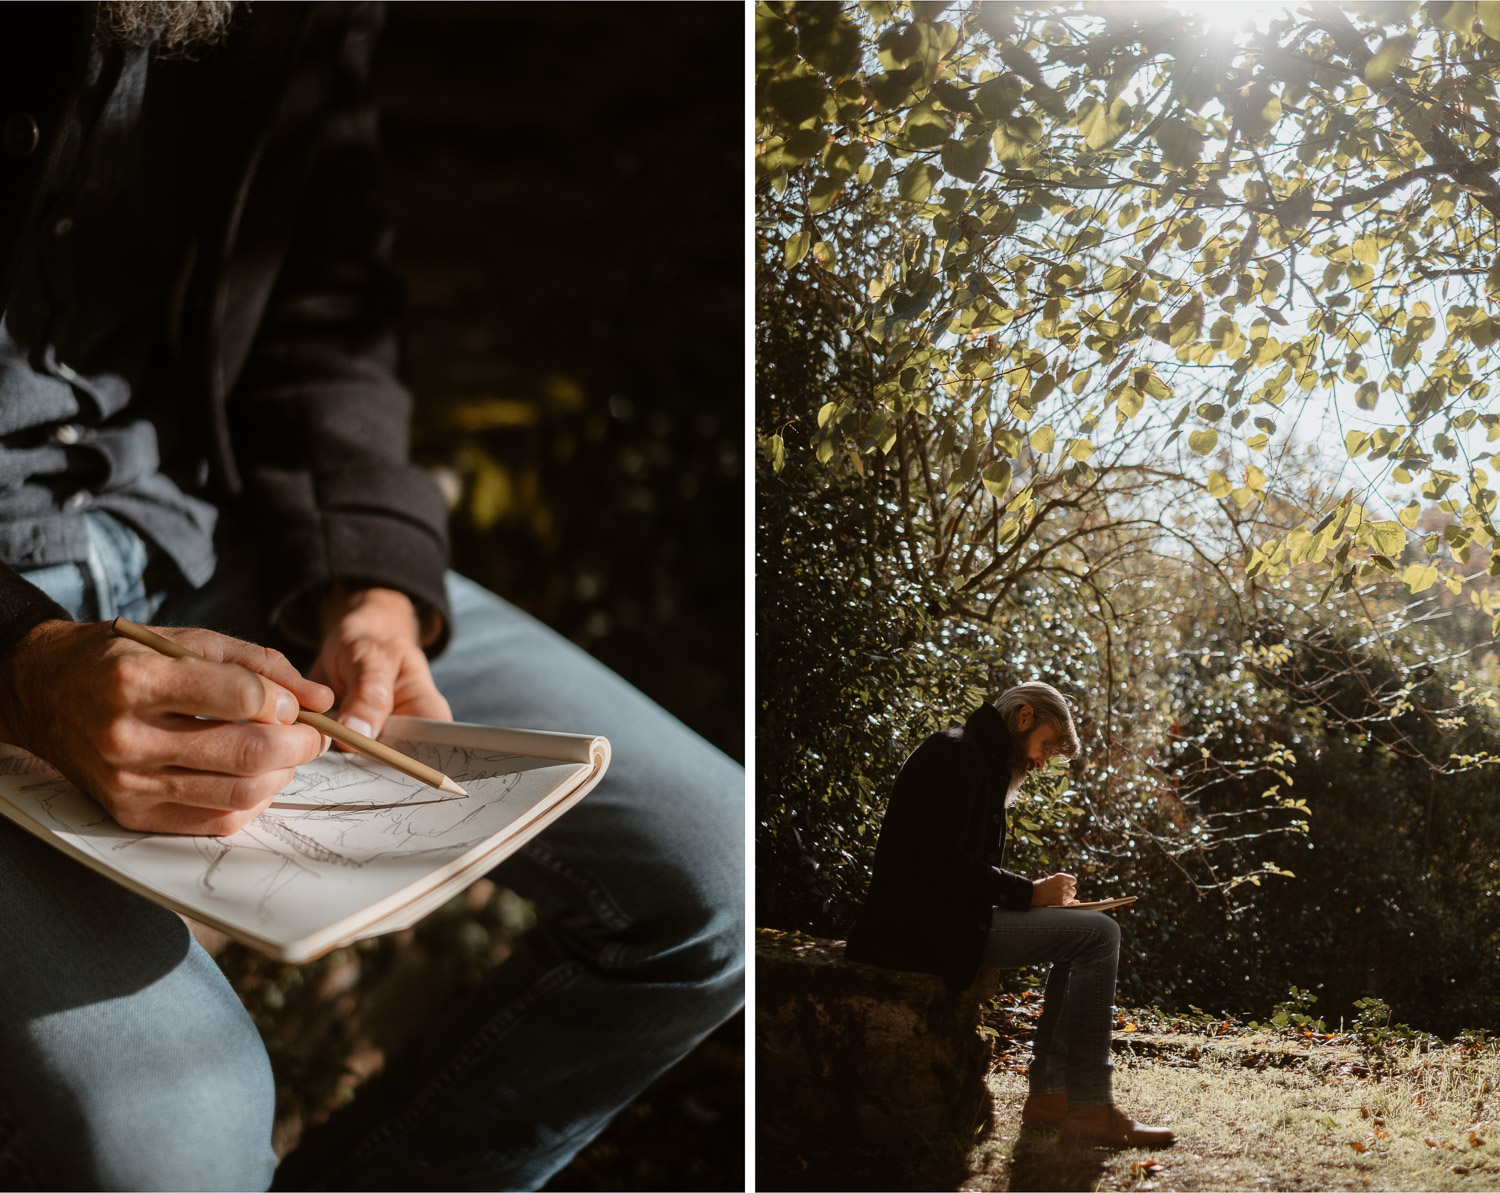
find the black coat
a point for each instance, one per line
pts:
(284, 347)
(938, 862)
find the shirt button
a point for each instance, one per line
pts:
(66, 372)
(67, 433)
(21, 135)
(77, 500)
(63, 226)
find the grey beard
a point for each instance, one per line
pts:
(176, 28)
(1014, 789)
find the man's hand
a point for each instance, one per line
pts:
(1053, 891)
(372, 658)
(124, 723)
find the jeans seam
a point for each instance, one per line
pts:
(604, 907)
(451, 1072)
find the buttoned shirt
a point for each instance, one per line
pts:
(96, 180)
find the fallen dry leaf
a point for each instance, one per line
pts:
(1358, 1146)
(1145, 1168)
(1475, 1140)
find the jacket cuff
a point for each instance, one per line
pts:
(1009, 890)
(23, 606)
(384, 543)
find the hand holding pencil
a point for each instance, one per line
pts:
(323, 724)
(125, 723)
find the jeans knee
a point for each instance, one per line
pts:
(698, 918)
(206, 1124)
(172, 1090)
(1104, 933)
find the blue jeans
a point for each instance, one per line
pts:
(1071, 1050)
(130, 1064)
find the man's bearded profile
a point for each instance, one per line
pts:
(176, 28)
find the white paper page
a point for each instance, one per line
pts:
(349, 838)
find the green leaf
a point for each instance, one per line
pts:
(797, 245)
(1356, 443)
(966, 159)
(1382, 65)
(1186, 323)
(997, 479)
(1015, 137)
(776, 452)
(795, 98)
(1218, 485)
(926, 127)
(917, 181)
(1389, 537)
(1181, 145)
(829, 40)
(793, 150)
(1419, 577)
(1103, 124)
(1042, 440)
(1203, 441)
(1021, 62)
(843, 157)
(1408, 516)
(967, 464)
(824, 191)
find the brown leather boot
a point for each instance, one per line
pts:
(1044, 1110)
(1108, 1126)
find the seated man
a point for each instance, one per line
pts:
(201, 426)
(940, 902)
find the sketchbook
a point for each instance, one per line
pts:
(1101, 904)
(349, 849)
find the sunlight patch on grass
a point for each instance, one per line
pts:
(1250, 1115)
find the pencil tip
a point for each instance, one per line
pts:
(451, 787)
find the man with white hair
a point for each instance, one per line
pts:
(941, 902)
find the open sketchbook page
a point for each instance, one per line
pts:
(350, 847)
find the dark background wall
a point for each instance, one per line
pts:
(567, 182)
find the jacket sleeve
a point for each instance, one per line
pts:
(949, 781)
(318, 417)
(22, 606)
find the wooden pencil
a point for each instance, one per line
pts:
(323, 724)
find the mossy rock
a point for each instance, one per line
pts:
(869, 1061)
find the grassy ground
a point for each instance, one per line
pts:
(1258, 1110)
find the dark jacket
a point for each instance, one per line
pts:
(938, 862)
(284, 345)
